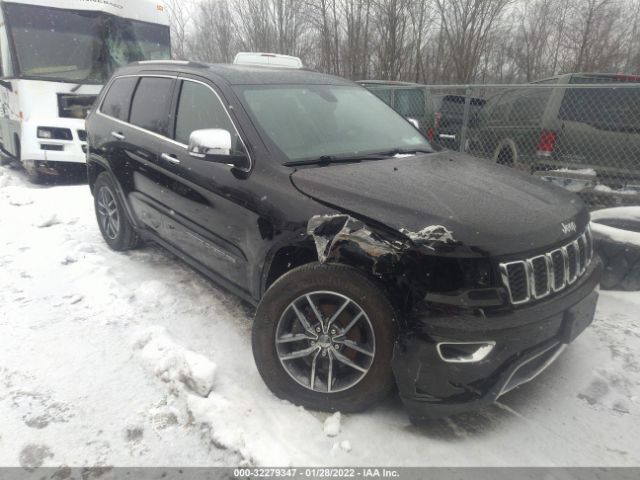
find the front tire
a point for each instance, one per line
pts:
(113, 221)
(323, 338)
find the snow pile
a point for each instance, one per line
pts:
(332, 425)
(616, 235)
(617, 213)
(268, 434)
(172, 363)
(343, 445)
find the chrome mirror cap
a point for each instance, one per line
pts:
(211, 141)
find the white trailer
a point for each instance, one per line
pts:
(55, 56)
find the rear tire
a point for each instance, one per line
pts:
(505, 157)
(364, 339)
(112, 218)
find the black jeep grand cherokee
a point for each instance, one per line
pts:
(373, 262)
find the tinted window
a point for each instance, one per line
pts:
(118, 98)
(150, 102)
(498, 113)
(604, 108)
(453, 105)
(199, 108)
(529, 108)
(410, 103)
(383, 94)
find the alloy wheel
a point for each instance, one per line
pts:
(108, 213)
(325, 342)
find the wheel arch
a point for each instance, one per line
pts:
(285, 258)
(506, 144)
(96, 166)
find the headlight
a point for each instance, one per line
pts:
(54, 133)
(45, 133)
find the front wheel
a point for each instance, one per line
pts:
(323, 338)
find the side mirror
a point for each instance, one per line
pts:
(215, 145)
(414, 122)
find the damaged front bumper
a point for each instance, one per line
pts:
(508, 348)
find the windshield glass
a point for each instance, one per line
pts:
(80, 46)
(309, 121)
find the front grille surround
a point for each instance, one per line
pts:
(539, 276)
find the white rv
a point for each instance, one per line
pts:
(55, 55)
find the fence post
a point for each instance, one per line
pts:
(465, 119)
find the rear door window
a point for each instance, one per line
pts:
(199, 108)
(118, 99)
(150, 106)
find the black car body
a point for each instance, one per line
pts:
(484, 273)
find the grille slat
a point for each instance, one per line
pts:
(536, 277)
(558, 268)
(582, 253)
(572, 267)
(540, 276)
(518, 278)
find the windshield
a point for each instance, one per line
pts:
(80, 46)
(309, 121)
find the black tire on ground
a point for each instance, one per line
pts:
(621, 265)
(615, 270)
(505, 157)
(375, 385)
(124, 237)
(5, 159)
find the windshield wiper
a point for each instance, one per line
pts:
(328, 159)
(403, 151)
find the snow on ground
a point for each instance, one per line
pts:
(135, 360)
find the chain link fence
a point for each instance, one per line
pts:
(579, 131)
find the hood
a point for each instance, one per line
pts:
(490, 209)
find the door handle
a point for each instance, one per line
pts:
(118, 135)
(170, 158)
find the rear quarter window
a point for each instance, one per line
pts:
(612, 109)
(150, 106)
(118, 98)
(383, 94)
(410, 102)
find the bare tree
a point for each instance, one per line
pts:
(433, 41)
(179, 13)
(466, 25)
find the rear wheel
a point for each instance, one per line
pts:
(114, 224)
(323, 338)
(505, 157)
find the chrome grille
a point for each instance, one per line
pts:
(537, 277)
